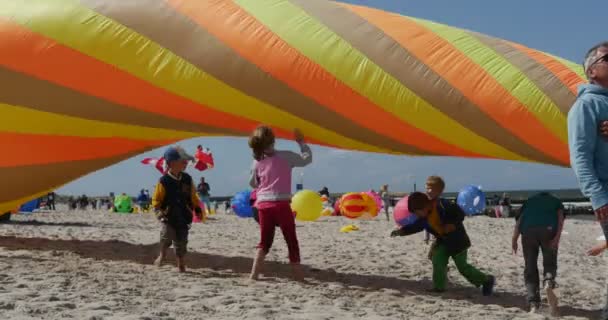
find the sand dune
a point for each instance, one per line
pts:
(97, 265)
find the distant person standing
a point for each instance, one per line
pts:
(505, 206)
(540, 224)
(204, 190)
(588, 145)
(386, 199)
(50, 200)
(324, 192)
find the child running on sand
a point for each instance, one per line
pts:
(173, 201)
(540, 224)
(271, 177)
(444, 220)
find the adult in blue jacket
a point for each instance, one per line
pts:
(587, 139)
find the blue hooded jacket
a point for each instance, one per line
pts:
(589, 150)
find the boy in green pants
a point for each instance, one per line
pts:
(444, 220)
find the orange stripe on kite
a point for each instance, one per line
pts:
(214, 15)
(35, 149)
(21, 51)
(498, 104)
(566, 75)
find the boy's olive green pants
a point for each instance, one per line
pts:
(440, 268)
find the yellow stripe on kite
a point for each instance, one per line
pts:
(42, 122)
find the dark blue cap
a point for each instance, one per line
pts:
(176, 154)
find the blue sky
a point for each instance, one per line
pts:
(563, 28)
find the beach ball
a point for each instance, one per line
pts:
(471, 200)
(241, 204)
(358, 206)
(307, 205)
(376, 198)
(402, 214)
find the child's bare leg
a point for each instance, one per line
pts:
(181, 264)
(552, 297)
(298, 273)
(257, 264)
(161, 257)
(165, 243)
(181, 248)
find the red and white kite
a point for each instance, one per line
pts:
(203, 160)
(158, 163)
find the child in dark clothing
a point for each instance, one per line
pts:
(540, 224)
(444, 220)
(173, 201)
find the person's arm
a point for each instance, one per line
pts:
(582, 138)
(560, 227)
(516, 233)
(157, 201)
(253, 177)
(296, 160)
(409, 229)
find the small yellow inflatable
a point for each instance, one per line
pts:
(349, 228)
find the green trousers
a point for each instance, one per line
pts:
(440, 268)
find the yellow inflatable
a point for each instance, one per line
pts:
(307, 205)
(349, 228)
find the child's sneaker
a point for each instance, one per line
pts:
(488, 288)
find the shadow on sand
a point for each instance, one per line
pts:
(145, 254)
(45, 223)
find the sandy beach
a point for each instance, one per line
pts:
(98, 265)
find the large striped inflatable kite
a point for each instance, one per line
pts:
(88, 83)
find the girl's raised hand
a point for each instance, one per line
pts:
(299, 137)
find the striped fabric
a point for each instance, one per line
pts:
(88, 83)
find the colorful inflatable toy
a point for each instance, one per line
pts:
(90, 83)
(307, 205)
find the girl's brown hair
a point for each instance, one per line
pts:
(260, 140)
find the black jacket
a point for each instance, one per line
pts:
(178, 200)
(449, 213)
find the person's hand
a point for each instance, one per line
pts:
(604, 128)
(514, 245)
(298, 136)
(395, 233)
(449, 228)
(554, 244)
(597, 250)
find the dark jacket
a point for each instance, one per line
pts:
(449, 213)
(175, 197)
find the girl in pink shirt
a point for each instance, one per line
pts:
(271, 177)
